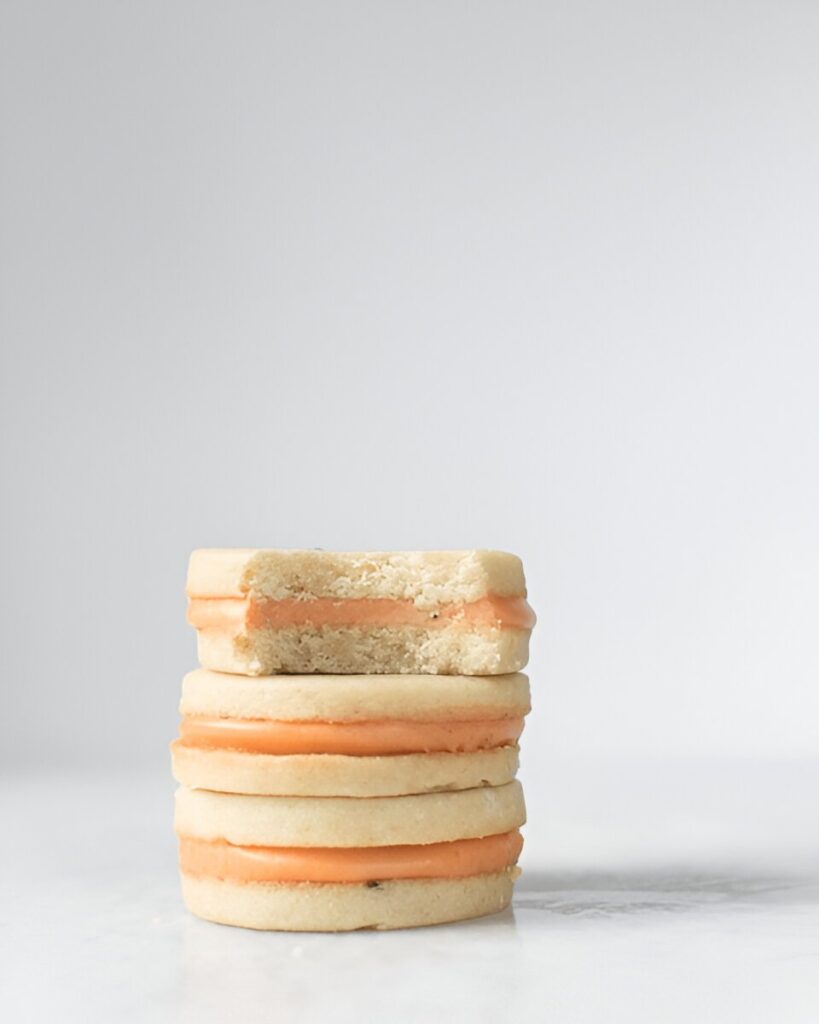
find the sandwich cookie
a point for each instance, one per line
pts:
(348, 735)
(260, 612)
(337, 864)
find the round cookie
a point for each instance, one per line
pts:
(236, 771)
(263, 611)
(354, 698)
(247, 820)
(311, 906)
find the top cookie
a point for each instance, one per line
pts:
(262, 611)
(426, 578)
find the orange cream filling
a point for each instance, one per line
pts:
(458, 859)
(355, 738)
(492, 610)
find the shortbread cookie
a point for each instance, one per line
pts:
(335, 864)
(354, 698)
(329, 907)
(260, 612)
(235, 771)
(348, 735)
(248, 820)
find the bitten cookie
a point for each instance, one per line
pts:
(260, 612)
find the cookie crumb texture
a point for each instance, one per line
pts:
(448, 650)
(427, 578)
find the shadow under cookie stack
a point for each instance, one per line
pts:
(348, 750)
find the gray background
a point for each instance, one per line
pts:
(538, 276)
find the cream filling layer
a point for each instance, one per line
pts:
(254, 613)
(458, 859)
(354, 738)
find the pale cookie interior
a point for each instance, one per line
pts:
(426, 578)
(449, 650)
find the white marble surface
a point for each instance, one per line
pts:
(608, 924)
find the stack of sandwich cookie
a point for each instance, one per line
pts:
(378, 794)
